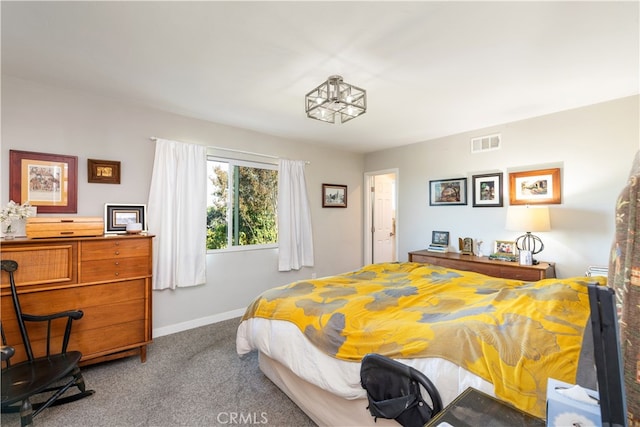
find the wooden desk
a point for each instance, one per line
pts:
(484, 265)
(109, 278)
(474, 408)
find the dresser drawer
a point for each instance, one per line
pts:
(116, 248)
(41, 264)
(114, 269)
(521, 274)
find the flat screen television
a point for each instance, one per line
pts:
(608, 356)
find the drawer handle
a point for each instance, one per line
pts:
(66, 220)
(67, 232)
(117, 252)
(117, 274)
(117, 243)
(117, 263)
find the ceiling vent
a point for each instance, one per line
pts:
(486, 143)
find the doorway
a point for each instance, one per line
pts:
(381, 216)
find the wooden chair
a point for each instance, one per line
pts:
(53, 373)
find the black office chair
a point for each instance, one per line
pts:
(54, 373)
(393, 390)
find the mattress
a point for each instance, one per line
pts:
(283, 342)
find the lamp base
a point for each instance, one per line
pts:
(529, 242)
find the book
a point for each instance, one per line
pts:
(438, 248)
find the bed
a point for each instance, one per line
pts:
(462, 329)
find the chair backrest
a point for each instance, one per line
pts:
(394, 392)
(608, 356)
(69, 316)
(10, 267)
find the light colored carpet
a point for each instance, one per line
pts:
(192, 378)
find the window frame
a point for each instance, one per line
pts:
(243, 163)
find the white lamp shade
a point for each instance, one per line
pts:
(526, 218)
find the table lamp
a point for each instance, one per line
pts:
(528, 219)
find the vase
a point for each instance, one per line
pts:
(9, 232)
(19, 227)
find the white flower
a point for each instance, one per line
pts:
(15, 211)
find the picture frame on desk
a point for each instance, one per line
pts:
(505, 250)
(440, 238)
(117, 216)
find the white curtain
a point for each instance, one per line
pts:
(295, 239)
(177, 214)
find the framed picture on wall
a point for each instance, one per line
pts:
(334, 196)
(443, 192)
(535, 187)
(48, 181)
(103, 171)
(487, 190)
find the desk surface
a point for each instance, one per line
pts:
(474, 408)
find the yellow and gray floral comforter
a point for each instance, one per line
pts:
(513, 334)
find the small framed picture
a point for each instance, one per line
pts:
(334, 196)
(103, 171)
(505, 248)
(443, 192)
(487, 190)
(535, 187)
(117, 216)
(440, 238)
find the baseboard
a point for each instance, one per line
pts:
(203, 321)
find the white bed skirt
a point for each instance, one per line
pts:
(317, 382)
(324, 408)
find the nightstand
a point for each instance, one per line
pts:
(474, 408)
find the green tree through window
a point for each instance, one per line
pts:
(242, 204)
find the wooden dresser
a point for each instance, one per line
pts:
(109, 278)
(484, 265)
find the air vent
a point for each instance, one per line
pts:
(485, 143)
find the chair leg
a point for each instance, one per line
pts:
(26, 413)
(79, 379)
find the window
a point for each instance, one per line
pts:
(241, 204)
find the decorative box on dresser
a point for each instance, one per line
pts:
(484, 265)
(107, 277)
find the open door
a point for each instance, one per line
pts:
(381, 221)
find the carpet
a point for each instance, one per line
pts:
(192, 378)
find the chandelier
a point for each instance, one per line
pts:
(335, 98)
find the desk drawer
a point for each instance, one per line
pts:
(521, 274)
(114, 269)
(116, 248)
(41, 264)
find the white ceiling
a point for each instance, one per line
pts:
(430, 69)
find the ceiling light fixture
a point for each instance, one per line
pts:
(335, 98)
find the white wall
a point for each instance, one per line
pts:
(594, 146)
(49, 120)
